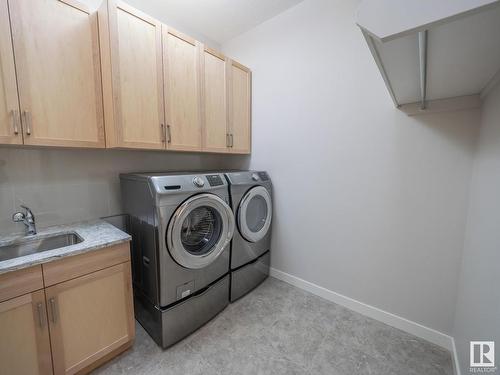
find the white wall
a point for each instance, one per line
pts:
(369, 203)
(478, 308)
(63, 186)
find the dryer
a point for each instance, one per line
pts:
(251, 200)
(181, 226)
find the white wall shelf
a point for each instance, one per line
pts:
(434, 56)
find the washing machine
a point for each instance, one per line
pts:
(181, 226)
(251, 201)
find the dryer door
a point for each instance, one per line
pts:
(200, 230)
(255, 213)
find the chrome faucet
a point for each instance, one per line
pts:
(27, 218)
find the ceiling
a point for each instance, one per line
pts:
(216, 20)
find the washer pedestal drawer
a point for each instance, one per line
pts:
(249, 276)
(170, 325)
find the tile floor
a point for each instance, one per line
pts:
(280, 329)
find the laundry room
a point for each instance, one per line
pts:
(249, 187)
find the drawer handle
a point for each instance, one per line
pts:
(53, 310)
(39, 309)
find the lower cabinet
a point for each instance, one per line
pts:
(71, 326)
(24, 335)
(89, 318)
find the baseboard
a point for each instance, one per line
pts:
(454, 358)
(403, 324)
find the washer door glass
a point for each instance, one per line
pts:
(199, 231)
(255, 214)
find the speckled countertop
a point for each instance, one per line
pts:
(96, 235)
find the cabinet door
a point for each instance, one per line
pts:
(90, 317)
(132, 77)
(24, 343)
(57, 61)
(10, 121)
(214, 109)
(240, 99)
(181, 58)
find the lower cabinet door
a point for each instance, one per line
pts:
(24, 335)
(90, 318)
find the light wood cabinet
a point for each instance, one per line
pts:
(56, 51)
(82, 318)
(131, 56)
(181, 59)
(10, 120)
(215, 127)
(24, 343)
(240, 111)
(67, 73)
(90, 317)
(226, 104)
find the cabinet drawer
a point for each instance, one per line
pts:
(16, 283)
(79, 265)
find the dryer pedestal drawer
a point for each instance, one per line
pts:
(246, 278)
(167, 326)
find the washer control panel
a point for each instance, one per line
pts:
(198, 181)
(214, 180)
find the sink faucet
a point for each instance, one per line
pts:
(27, 219)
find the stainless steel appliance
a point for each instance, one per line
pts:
(181, 225)
(251, 200)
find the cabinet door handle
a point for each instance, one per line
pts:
(39, 309)
(227, 139)
(53, 310)
(27, 120)
(163, 135)
(169, 134)
(15, 114)
(232, 140)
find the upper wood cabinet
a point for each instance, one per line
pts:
(226, 104)
(240, 111)
(131, 57)
(10, 120)
(56, 51)
(214, 105)
(115, 78)
(181, 59)
(25, 345)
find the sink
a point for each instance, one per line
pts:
(28, 246)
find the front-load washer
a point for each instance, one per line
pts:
(181, 226)
(251, 200)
